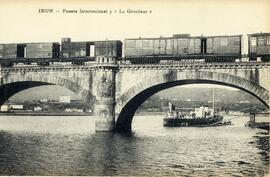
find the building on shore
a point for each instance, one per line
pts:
(37, 109)
(16, 107)
(5, 108)
(64, 99)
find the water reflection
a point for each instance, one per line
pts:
(262, 143)
(151, 150)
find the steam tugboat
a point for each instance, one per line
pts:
(200, 117)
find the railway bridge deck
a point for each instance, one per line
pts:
(118, 89)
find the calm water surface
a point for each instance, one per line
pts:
(69, 146)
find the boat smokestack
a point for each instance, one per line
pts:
(171, 107)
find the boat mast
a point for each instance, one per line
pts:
(213, 101)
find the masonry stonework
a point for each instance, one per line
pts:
(105, 99)
(117, 90)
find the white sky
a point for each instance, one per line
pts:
(21, 22)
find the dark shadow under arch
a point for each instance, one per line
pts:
(8, 90)
(124, 121)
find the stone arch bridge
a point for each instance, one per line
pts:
(117, 90)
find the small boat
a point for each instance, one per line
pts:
(200, 117)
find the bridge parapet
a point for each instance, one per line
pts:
(176, 65)
(47, 68)
(195, 65)
(105, 66)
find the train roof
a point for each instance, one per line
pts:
(95, 41)
(189, 37)
(186, 36)
(24, 43)
(149, 38)
(239, 35)
(258, 34)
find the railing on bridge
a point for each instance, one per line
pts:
(178, 63)
(127, 64)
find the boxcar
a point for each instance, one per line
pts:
(75, 49)
(148, 50)
(223, 48)
(29, 50)
(42, 50)
(152, 50)
(12, 51)
(259, 46)
(90, 49)
(8, 51)
(108, 48)
(183, 46)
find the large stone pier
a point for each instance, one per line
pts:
(105, 94)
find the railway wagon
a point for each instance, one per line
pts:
(87, 51)
(42, 50)
(28, 52)
(148, 50)
(8, 51)
(183, 46)
(259, 46)
(152, 50)
(222, 48)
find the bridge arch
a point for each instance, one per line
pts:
(129, 102)
(9, 86)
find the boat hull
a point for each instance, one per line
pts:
(195, 122)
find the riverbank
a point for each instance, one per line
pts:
(67, 113)
(45, 114)
(141, 113)
(145, 113)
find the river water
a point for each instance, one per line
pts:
(32, 145)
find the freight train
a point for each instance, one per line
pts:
(46, 53)
(209, 49)
(179, 47)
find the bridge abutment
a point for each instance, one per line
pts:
(105, 95)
